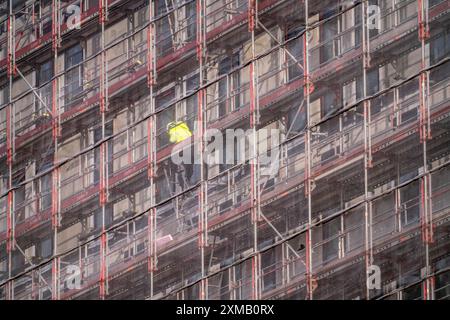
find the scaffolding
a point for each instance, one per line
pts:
(87, 179)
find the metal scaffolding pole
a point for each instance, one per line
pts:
(254, 163)
(103, 17)
(310, 282)
(425, 136)
(10, 139)
(151, 145)
(201, 120)
(367, 147)
(56, 133)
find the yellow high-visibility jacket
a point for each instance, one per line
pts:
(178, 131)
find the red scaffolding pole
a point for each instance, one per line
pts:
(56, 29)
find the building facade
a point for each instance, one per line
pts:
(356, 206)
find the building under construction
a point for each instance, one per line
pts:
(360, 91)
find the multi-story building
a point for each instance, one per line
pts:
(93, 207)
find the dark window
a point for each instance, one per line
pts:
(229, 84)
(164, 99)
(19, 195)
(191, 20)
(269, 269)
(192, 84)
(330, 232)
(295, 48)
(74, 76)
(329, 104)
(297, 119)
(434, 2)
(164, 27)
(412, 293)
(46, 248)
(98, 218)
(410, 203)
(98, 137)
(373, 81)
(442, 291)
(440, 47)
(328, 32)
(162, 119)
(44, 77)
(90, 4)
(44, 186)
(45, 73)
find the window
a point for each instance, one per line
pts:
(98, 218)
(165, 97)
(297, 119)
(354, 229)
(433, 3)
(90, 4)
(412, 293)
(46, 248)
(44, 186)
(328, 48)
(162, 120)
(45, 73)
(349, 25)
(440, 47)
(73, 79)
(163, 28)
(406, 9)
(269, 269)
(374, 31)
(46, 14)
(373, 81)
(4, 177)
(187, 108)
(98, 137)
(340, 34)
(3, 215)
(19, 195)
(383, 216)
(229, 85)
(408, 100)
(329, 103)
(295, 48)
(44, 77)
(410, 201)
(442, 286)
(190, 16)
(349, 93)
(330, 232)
(176, 28)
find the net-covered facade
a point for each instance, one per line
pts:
(91, 197)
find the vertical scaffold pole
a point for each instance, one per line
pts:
(425, 135)
(151, 146)
(423, 34)
(10, 140)
(307, 89)
(200, 142)
(367, 145)
(55, 135)
(254, 184)
(56, 24)
(103, 191)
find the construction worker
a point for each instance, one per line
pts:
(178, 131)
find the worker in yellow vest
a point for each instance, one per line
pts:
(178, 131)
